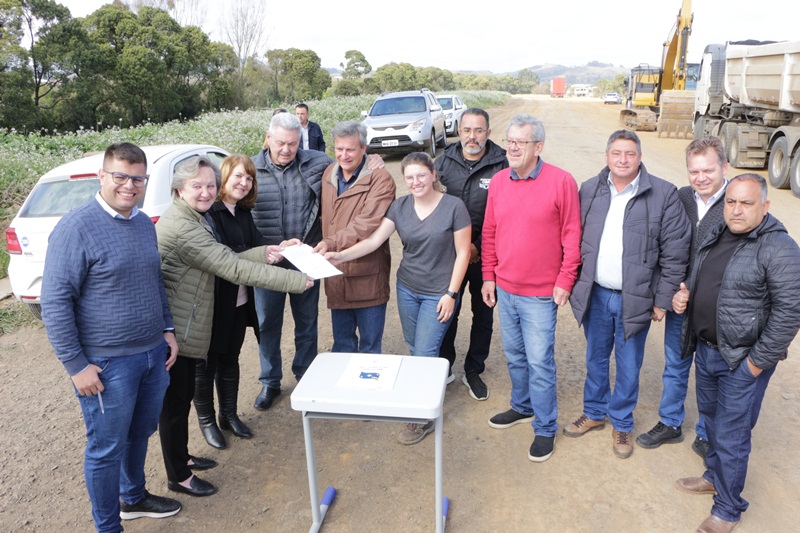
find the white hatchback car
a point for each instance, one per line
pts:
(453, 108)
(69, 186)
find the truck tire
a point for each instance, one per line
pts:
(727, 135)
(699, 127)
(794, 173)
(778, 165)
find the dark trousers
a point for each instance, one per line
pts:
(480, 337)
(222, 367)
(173, 425)
(305, 309)
(729, 402)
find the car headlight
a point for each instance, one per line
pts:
(448, 115)
(418, 125)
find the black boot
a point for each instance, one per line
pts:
(204, 405)
(228, 392)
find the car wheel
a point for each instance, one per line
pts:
(432, 144)
(778, 164)
(455, 129)
(443, 140)
(36, 310)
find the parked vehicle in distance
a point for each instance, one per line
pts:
(558, 87)
(405, 121)
(612, 98)
(453, 108)
(69, 186)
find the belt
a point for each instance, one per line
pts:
(707, 343)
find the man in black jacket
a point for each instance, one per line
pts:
(466, 168)
(312, 138)
(742, 314)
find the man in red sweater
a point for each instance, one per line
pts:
(531, 253)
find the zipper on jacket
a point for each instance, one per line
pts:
(189, 323)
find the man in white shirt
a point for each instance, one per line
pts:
(634, 250)
(707, 164)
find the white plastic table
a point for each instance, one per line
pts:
(417, 397)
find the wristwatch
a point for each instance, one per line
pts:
(452, 295)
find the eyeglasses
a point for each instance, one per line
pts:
(476, 131)
(514, 143)
(120, 178)
(420, 178)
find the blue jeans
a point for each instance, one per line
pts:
(528, 330)
(729, 402)
(368, 320)
(305, 310)
(117, 434)
(676, 377)
(422, 330)
(603, 328)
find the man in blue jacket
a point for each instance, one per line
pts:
(742, 314)
(312, 138)
(634, 252)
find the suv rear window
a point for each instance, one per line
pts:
(446, 103)
(394, 106)
(57, 198)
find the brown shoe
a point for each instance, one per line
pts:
(622, 444)
(582, 426)
(714, 524)
(695, 485)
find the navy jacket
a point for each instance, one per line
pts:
(316, 141)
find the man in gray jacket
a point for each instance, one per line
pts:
(742, 314)
(287, 207)
(634, 250)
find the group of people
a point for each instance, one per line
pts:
(625, 249)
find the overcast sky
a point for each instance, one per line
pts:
(504, 36)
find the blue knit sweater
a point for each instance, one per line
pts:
(102, 292)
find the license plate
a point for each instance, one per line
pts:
(391, 142)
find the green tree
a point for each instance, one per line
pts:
(357, 65)
(396, 77)
(297, 74)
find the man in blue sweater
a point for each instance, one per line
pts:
(107, 317)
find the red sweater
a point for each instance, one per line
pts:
(531, 232)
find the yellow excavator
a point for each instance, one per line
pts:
(657, 98)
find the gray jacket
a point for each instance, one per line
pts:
(758, 313)
(656, 239)
(268, 211)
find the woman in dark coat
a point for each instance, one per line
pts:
(234, 307)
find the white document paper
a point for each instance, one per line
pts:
(370, 372)
(315, 265)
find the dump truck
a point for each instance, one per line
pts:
(748, 95)
(657, 96)
(558, 87)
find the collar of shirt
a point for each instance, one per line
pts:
(630, 188)
(108, 209)
(345, 184)
(533, 175)
(711, 201)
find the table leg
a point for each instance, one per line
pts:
(311, 466)
(438, 447)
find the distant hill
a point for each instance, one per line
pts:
(588, 73)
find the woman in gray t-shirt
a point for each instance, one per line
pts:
(436, 231)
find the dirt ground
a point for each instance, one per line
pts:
(386, 487)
